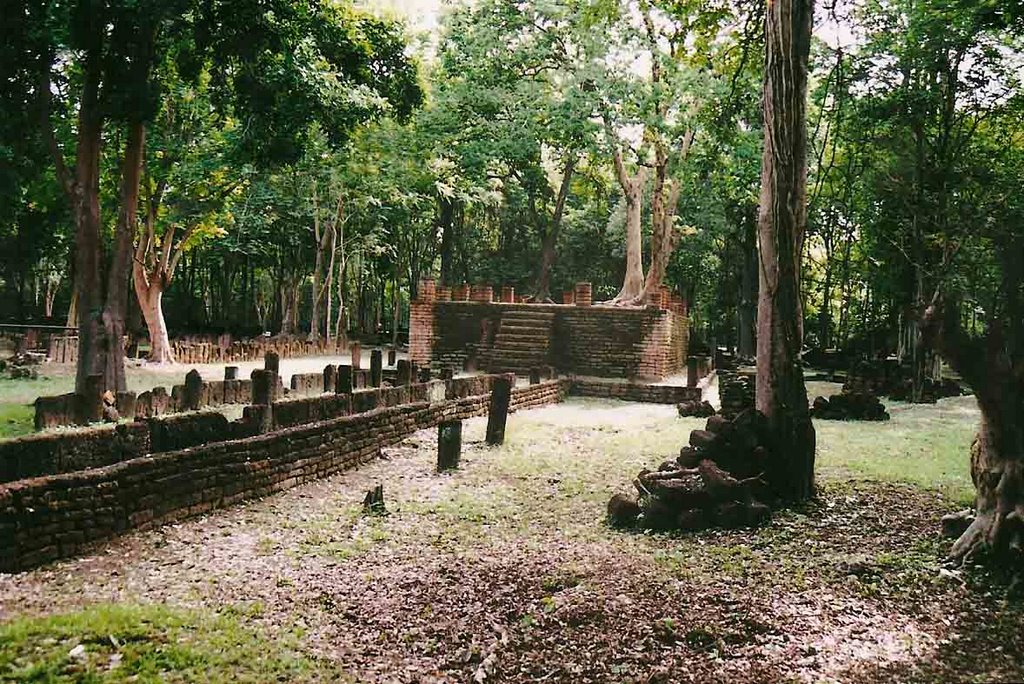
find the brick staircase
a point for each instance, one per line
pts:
(523, 342)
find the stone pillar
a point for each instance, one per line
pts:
(497, 414)
(569, 297)
(330, 377)
(193, 391)
(404, 373)
(508, 294)
(356, 351)
(460, 293)
(483, 294)
(376, 367)
(584, 294)
(272, 362)
(264, 387)
(344, 384)
(691, 372)
(449, 445)
(427, 290)
(230, 372)
(392, 355)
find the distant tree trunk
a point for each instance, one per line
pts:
(633, 191)
(781, 394)
(542, 287)
(748, 284)
(446, 221)
(664, 200)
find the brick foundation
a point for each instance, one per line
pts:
(617, 342)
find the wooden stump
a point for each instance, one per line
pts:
(449, 444)
(497, 414)
(373, 503)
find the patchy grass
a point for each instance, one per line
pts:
(926, 445)
(126, 643)
(505, 571)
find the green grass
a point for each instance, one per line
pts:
(925, 445)
(137, 643)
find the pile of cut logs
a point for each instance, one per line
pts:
(849, 406)
(736, 391)
(715, 482)
(695, 409)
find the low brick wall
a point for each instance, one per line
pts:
(57, 516)
(67, 451)
(627, 391)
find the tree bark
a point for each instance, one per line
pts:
(542, 288)
(781, 394)
(748, 284)
(994, 367)
(633, 190)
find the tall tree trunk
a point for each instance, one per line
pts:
(748, 284)
(542, 287)
(781, 394)
(633, 190)
(446, 220)
(151, 303)
(86, 209)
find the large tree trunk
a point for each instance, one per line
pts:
(994, 367)
(781, 394)
(151, 302)
(633, 191)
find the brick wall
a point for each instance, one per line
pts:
(601, 341)
(628, 391)
(57, 516)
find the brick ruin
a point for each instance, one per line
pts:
(464, 328)
(66, 491)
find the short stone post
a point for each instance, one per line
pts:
(330, 377)
(404, 373)
(508, 294)
(264, 387)
(449, 445)
(193, 391)
(392, 355)
(344, 384)
(356, 351)
(272, 362)
(497, 414)
(584, 294)
(691, 372)
(230, 372)
(376, 367)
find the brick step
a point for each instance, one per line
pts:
(528, 317)
(522, 346)
(519, 333)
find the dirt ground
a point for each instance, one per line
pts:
(505, 571)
